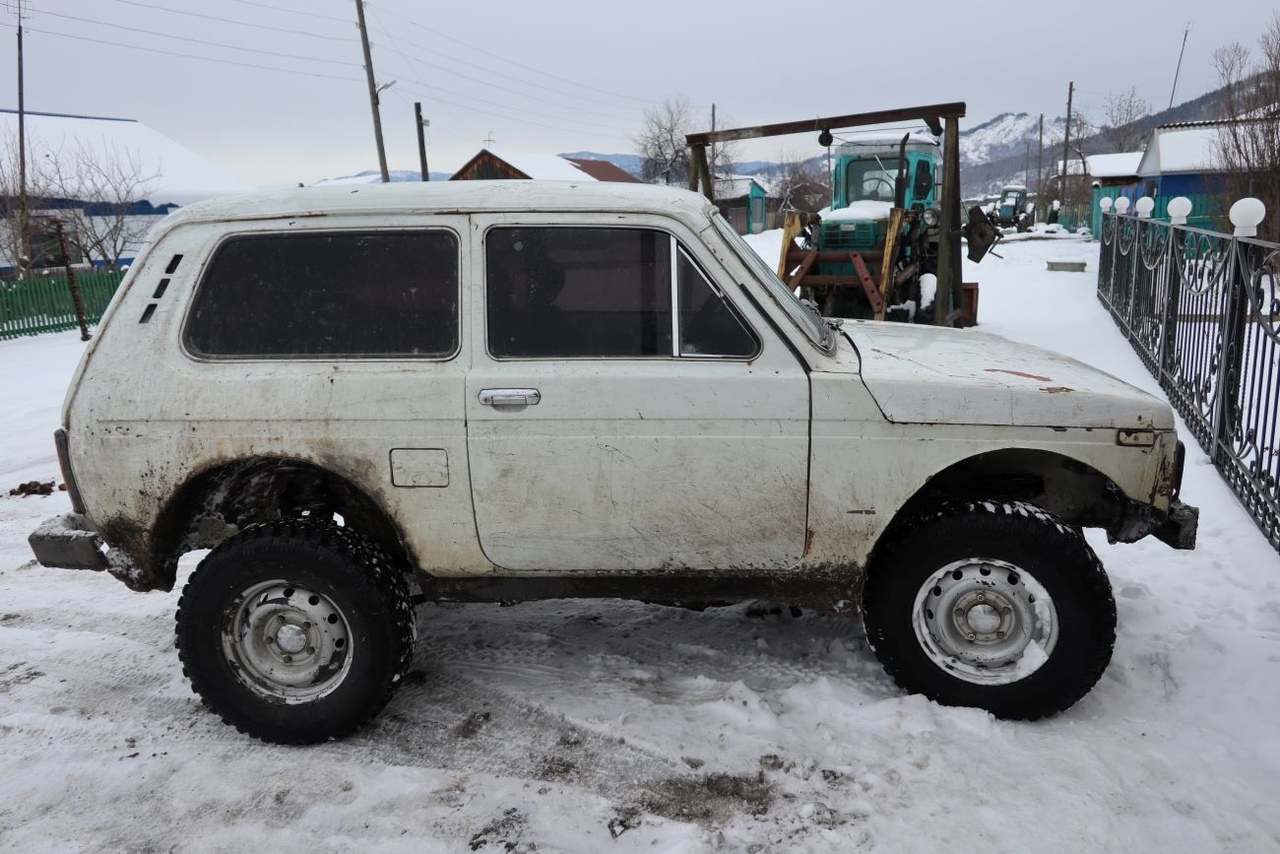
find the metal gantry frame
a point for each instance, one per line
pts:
(942, 119)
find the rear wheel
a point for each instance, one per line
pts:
(998, 605)
(295, 633)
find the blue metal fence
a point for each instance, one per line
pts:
(1202, 310)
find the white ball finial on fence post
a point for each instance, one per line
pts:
(1105, 205)
(1179, 210)
(1122, 205)
(1245, 215)
(1145, 206)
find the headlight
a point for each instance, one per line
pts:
(931, 217)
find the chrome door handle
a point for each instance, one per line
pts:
(510, 396)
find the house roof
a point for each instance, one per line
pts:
(539, 167)
(604, 170)
(1119, 165)
(1189, 147)
(547, 167)
(738, 186)
(183, 176)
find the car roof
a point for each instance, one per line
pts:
(409, 197)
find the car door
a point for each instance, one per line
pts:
(623, 412)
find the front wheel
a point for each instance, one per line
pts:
(295, 632)
(992, 604)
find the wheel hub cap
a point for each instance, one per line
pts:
(287, 643)
(291, 638)
(985, 621)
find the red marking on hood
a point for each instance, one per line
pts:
(1019, 374)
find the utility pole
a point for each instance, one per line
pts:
(1178, 70)
(422, 140)
(1066, 144)
(24, 229)
(714, 150)
(373, 92)
(1040, 166)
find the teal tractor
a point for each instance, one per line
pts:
(888, 247)
(1013, 210)
(884, 210)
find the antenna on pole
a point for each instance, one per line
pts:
(1178, 70)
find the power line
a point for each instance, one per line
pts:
(316, 15)
(203, 41)
(508, 90)
(290, 31)
(455, 59)
(501, 58)
(193, 56)
(468, 106)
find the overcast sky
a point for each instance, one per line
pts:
(275, 90)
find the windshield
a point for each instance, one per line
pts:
(870, 179)
(809, 321)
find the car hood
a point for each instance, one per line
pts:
(925, 375)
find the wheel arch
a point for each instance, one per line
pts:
(222, 499)
(1075, 492)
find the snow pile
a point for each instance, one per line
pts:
(609, 726)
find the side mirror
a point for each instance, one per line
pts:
(923, 180)
(980, 234)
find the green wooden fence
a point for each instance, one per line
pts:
(33, 306)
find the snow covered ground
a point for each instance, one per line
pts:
(609, 726)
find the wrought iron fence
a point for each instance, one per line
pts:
(33, 306)
(1202, 309)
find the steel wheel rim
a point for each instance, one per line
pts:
(287, 643)
(986, 622)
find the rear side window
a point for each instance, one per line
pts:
(329, 295)
(603, 293)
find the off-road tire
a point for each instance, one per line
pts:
(295, 632)
(985, 563)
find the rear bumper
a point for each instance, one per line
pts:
(1179, 530)
(69, 541)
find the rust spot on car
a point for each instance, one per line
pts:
(809, 534)
(1164, 483)
(862, 512)
(1019, 374)
(1056, 389)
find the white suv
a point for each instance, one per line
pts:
(363, 398)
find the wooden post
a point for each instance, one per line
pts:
(76, 298)
(700, 172)
(890, 256)
(949, 226)
(421, 124)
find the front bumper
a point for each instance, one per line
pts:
(1179, 529)
(69, 541)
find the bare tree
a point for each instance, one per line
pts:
(103, 189)
(19, 205)
(1074, 189)
(798, 186)
(93, 192)
(1248, 144)
(721, 156)
(661, 141)
(1123, 112)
